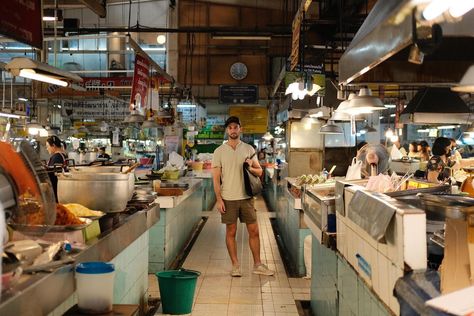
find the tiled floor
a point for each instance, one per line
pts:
(217, 293)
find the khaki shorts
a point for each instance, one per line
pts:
(242, 209)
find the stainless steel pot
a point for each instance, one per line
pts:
(109, 169)
(107, 192)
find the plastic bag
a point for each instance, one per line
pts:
(353, 172)
(381, 183)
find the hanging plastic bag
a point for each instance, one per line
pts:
(353, 172)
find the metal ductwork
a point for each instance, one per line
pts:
(435, 106)
(380, 51)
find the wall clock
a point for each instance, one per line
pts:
(238, 71)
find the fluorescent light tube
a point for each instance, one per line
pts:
(435, 9)
(185, 106)
(31, 74)
(9, 115)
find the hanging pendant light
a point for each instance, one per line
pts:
(389, 133)
(150, 123)
(134, 117)
(331, 129)
(33, 127)
(267, 136)
(368, 129)
(364, 102)
(467, 82)
(344, 105)
(83, 130)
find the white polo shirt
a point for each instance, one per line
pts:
(231, 163)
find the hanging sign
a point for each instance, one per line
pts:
(21, 20)
(94, 83)
(96, 109)
(238, 94)
(138, 99)
(295, 43)
(254, 119)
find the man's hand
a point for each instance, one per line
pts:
(220, 206)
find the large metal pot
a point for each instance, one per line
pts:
(109, 169)
(107, 192)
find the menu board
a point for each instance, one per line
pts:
(254, 119)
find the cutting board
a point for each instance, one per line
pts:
(169, 191)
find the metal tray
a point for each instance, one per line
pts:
(50, 228)
(444, 199)
(167, 185)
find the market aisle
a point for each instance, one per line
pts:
(217, 293)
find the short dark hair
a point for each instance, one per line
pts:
(54, 141)
(232, 119)
(415, 146)
(439, 146)
(361, 144)
(102, 148)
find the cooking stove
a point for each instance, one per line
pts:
(136, 204)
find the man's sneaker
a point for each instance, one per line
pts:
(236, 271)
(263, 270)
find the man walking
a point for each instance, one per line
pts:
(232, 200)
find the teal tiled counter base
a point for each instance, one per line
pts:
(337, 290)
(292, 228)
(355, 298)
(209, 197)
(131, 276)
(323, 280)
(169, 235)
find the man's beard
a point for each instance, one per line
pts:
(234, 136)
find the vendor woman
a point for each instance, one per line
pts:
(439, 165)
(54, 146)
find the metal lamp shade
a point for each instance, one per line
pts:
(150, 123)
(331, 129)
(365, 102)
(344, 105)
(467, 82)
(369, 129)
(135, 117)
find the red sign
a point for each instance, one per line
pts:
(21, 20)
(138, 99)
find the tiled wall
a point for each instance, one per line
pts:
(131, 276)
(355, 298)
(336, 288)
(209, 197)
(288, 220)
(323, 280)
(169, 235)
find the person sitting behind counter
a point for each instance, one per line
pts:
(439, 165)
(102, 154)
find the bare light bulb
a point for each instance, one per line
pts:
(161, 39)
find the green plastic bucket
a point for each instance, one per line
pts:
(177, 290)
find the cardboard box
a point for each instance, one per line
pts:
(457, 267)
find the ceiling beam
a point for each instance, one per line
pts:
(97, 6)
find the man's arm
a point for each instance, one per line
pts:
(254, 166)
(216, 180)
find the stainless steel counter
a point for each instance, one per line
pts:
(173, 201)
(41, 293)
